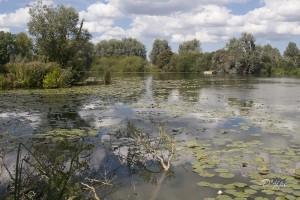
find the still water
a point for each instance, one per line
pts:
(243, 129)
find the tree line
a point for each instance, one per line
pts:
(59, 52)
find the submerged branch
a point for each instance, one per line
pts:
(92, 189)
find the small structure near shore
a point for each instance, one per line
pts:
(210, 72)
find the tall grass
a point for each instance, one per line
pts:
(52, 175)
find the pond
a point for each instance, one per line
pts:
(236, 137)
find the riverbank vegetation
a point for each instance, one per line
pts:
(25, 60)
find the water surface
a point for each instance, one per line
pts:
(249, 117)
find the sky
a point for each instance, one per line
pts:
(213, 22)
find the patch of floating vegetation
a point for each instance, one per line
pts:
(61, 134)
(265, 174)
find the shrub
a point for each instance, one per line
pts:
(119, 64)
(4, 83)
(29, 74)
(107, 78)
(58, 77)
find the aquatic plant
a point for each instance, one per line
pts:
(107, 78)
(162, 148)
(58, 77)
(53, 176)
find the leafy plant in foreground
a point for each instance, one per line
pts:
(49, 173)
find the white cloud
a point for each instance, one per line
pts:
(163, 7)
(206, 20)
(100, 19)
(279, 17)
(98, 11)
(200, 23)
(98, 26)
(19, 18)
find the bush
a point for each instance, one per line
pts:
(4, 83)
(107, 78)
(119, 64)
(58, 78)
(29, 74)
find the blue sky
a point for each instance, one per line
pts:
(213, 22)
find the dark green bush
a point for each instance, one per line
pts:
(4, 83)
(107, 78)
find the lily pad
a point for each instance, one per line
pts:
(203, 184)
(226, 175)
(250, 191)
(239, 184)
(221, 170)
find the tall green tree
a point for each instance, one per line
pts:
(134, 48)
(185, 62)
(243, 54)
(126, 46)
(292, 53)
(164, 59)
(191, 45)
(270, 58)
(7, 44)
(59, 35)
(221, 61)
(23, 45)
(159, 47)
(110, 48)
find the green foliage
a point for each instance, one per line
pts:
(270, 58)
(119, 64)
(287, 72)
(191, 45)
(220, 61)
(58, 78)
(190, 61)
(107, 78)
(29, 74)
(109, 48)
(162, 149)
(292, 53)
(182, 62)
(125, 47)
(58, 35)
(53, 176)
(164, 59)
(134, 48)
(243, 55)
(151, 68)
(159, 47)
(4, 83)
(23, 46)
(7, 41)
(203, 63)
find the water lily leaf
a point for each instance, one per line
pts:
(239, 184)
(226, 175)
(236, 193)
(268, 191)
(250, 191)
(297, 193)
(203, 184)
(223, 197)
(290, 197)
(221, 170)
